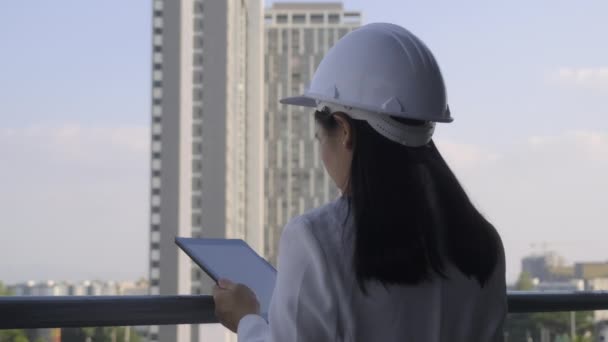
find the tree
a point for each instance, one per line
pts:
(99, 334)
(520, 327)
(524, 282)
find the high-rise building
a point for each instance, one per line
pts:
(206, 138)
(297, 37)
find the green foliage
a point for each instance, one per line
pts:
(99, 334)
(4, 291)
(13, 336)
(524, 282)
(520, 327)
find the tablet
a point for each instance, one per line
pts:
(233, 259)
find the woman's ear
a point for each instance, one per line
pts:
(345, 130)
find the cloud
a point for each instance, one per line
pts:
(463, 155)
(543, 189)
(586, 77)
(77, 195)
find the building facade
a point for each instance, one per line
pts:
(206, 138)
(297, 37)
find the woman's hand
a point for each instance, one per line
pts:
(233, 302)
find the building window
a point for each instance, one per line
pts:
(156, 146)
(282, 18)
(198, 25)
(156, 129)
(154, 273)
(197, 203)
(155, 200)
(196, 219)
(155, 218)
(158, 30)
(155, 263)
(197, 184)
(197, 94)
(316, 18)
(158, 39)
(197, 165)
(198, 59)
(155, 236)
(155, 228)
(157, 84)
(197, 148)
(156, 173)
(155, 164)
(333, 18)
(157, 93)
(158, 22)
(156, 191)
(158, 13)
(158, 49)
(197, 77)
(157, 57)
(197, 130)
(268, 19)
(198, 41)
(298, 18)
(157, 102)
(198, 7)
(158, 66)
(351, 18)
(154, 246)
(157, 75)
(156, 110)
(197, 112)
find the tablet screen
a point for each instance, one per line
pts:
(235, 260)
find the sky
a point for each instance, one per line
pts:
(527, 85)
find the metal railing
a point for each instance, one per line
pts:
(25, 312)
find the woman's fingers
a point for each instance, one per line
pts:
(226, 283)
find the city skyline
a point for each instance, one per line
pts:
(530, 127)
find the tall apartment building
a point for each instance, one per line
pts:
(297, 37)
(206, 138)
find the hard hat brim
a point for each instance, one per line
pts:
(302, 100)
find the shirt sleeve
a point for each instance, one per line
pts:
(302, 308)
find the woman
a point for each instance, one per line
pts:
(402, 255)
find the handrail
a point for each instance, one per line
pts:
(24, 312)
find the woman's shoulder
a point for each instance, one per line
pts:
(323, 225)
(330, 215)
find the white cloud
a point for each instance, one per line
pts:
(587, 77)
(545, 189)
(463, 155)
(76, 195)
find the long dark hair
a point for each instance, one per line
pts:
(411, 215)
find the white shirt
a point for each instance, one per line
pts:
(317, 298)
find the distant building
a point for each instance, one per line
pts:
(568, 285)
(206, 139)
(599, 284)
(47, 288)
(298, 35)
(134, 288)
(549, 267)
(591, 270)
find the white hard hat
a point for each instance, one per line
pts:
(377, 71)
